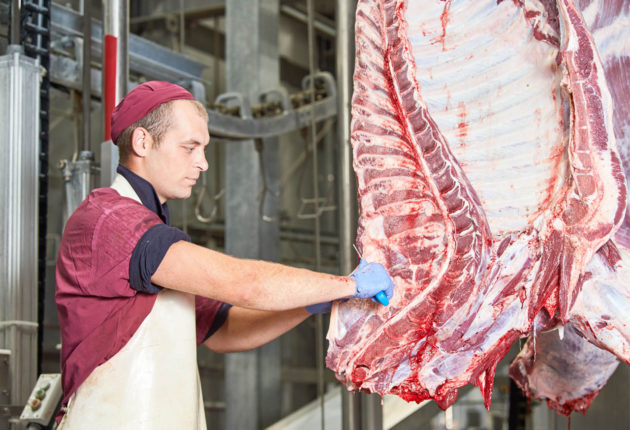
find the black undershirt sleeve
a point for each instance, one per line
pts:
(219, 319)
(149, 253)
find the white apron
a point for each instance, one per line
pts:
(153, 381)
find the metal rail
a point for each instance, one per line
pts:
(240, 128)
(145, 57)
(344, 44)
(86, 97)
(66, 72)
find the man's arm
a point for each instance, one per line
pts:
(246, 283)
(246, 329)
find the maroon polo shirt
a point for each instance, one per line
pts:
(111, 246)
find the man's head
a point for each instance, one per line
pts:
(161, 132)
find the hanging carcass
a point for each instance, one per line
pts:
(485, 149)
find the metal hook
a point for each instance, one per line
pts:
(202, 193)
(258, 144)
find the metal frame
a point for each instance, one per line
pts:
(252, 66)
(232, 127)
(157, 62)
(145, 57)
(66, 71)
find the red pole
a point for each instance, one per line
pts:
(109, 93)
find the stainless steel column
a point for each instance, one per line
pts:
(351, 411)
(347, 188)
(86, 81)
(14, 36)
(115, 76)
(20, 79)
(252, 379)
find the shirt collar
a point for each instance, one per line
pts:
(146, 192)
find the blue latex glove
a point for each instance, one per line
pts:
(319, 308)
(372, 279)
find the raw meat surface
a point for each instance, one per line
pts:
(557, 368)
(600, 311)
(488, 177)
(568, 373)
(609, 23)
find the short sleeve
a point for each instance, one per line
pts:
(115, 235)
(210, 316)
(149, 253)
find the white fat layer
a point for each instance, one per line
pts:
(494, 94)
(600, 311)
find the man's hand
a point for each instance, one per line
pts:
(371, 279)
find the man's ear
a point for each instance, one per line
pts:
(141, 141)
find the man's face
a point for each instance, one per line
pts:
(174, 166)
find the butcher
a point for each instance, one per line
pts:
(135, 297)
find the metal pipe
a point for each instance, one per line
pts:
(313, 132)
(319, 335)
(87, 74)
(182, 25)
(351, 414)
(320, 25)
(16, 16)
(116, 55)
(345, 66)
(216, 43)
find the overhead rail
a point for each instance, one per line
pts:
(230, 117)
(145, 57)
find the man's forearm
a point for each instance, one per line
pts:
(251, 284)
(247, 329)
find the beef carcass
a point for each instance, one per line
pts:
(488, 177)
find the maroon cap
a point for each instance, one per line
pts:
(142, 100)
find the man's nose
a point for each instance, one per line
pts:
(202, 163)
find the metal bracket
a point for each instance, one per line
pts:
(215, 199)
(227, 125)
(319, 203)
(10, 411)
(324, 79)
(233, 100)
(6, 411)
(198, 91)
(276, 96)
